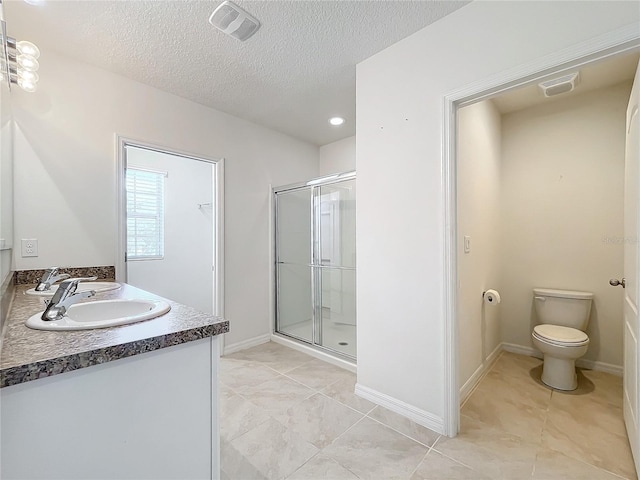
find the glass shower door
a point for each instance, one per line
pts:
(336, 266)
(293, 264)
(316, 263)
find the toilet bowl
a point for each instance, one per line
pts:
(564, 315)
(560, 354)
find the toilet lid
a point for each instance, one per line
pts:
(559, 334)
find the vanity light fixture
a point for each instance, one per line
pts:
(19, 61)
(336, 121)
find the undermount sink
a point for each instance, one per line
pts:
(98, 287)
(102, 314)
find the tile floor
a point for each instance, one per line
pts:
(285, 415)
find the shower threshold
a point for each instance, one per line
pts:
(325, 354)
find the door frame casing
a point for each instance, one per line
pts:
(218, 199)
(620, 41)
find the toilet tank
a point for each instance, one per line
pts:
(568, 308)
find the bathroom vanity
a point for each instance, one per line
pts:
(135, 401)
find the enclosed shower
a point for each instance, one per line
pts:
(315, 263)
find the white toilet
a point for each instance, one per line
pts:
(563, 316)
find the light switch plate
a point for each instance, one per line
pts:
(467, 244)
(29, 247)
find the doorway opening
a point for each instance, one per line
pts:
(563, 63)
(170, 224)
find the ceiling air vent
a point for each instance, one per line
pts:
(234, 21)
(560, 85)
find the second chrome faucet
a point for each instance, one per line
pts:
(66, 296)
(49, 277)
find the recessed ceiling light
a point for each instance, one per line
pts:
(336, 121)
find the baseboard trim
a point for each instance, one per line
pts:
(243, 345)
(521, 350)
(421, 417)
(479, 374)
(580, 363)
(600, 367)
(326, 357)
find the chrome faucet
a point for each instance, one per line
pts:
(64, 297)
(50, 277)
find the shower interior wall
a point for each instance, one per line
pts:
(540, 195)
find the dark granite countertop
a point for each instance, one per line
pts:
(29, 354)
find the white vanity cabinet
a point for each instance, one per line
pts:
(147, 416)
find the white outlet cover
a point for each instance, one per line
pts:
(29, 247)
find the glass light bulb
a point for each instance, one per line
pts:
(26, 85)
(28, 62)
(28, 48)
(28, 76)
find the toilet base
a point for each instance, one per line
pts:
(559, 373)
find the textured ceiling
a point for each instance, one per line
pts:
(291, 76)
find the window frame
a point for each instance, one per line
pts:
(158, 217)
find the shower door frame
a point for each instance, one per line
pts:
(316, 266)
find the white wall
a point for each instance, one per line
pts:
(401, 224)
(562, 206)
(338, 157)
(479, 144)
(65, 174)
(185, 273)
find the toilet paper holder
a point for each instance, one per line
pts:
(491, 296)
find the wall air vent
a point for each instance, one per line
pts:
(234, 21)
(560, 85)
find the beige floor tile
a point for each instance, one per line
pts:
(273, 355)
(438, 467)
(603, 387)
(225, 391)
(343, 392)
(277, 395)
(524, 387)
(513, 426)
(515, 405)
(319, 419)
(552, 465)
(374, 451)
(514, 365)
(249, 374)
(322, 467)
(404, 425)
(238, 416)
(273, 450)
(317, 374)
(235, 466)
(230, 363)
(490, 451)
(588, 430)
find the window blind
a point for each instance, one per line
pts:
(145, 214)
